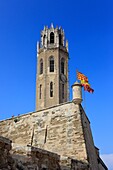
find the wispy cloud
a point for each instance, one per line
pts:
(108, 160)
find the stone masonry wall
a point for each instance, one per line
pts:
(5, 159)
(31, 158)
(57, 129)
(63, 130)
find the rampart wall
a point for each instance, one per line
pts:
(63, 130)
(57, 129)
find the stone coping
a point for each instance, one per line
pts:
(42, 151)
(30, 113)
(28, 149)
(102, 163)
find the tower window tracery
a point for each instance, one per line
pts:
(51, 89)
(51, 38)
(62, 65)
(41, 66)
(51, 64)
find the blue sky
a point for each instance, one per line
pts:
(88, 27)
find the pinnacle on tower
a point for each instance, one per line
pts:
(52, 25)
(44, 27)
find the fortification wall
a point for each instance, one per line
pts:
(63, 130)
(57, 129)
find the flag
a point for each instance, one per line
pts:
(88, 88)
(81, 76)
(84, 81)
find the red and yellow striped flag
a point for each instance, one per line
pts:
(81, 76)
(84, 81)
(88, 88)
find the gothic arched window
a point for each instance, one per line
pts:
(51, 38)
(51, 89)
(41, 66)
(62, 91)
(40, 92)
(51, 64)
(62, 65)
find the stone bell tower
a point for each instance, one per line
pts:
(52, 68)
